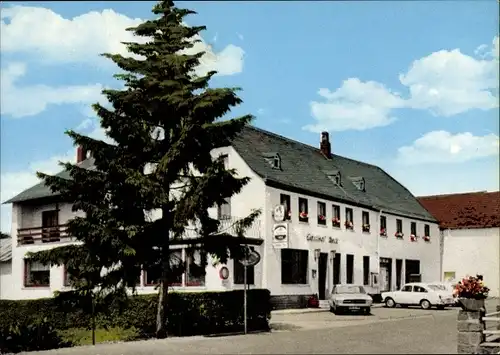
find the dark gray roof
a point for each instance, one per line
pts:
(40, 190)
(304, 167)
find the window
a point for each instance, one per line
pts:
(303, 210)
(196, 263)
(348, 214)
(350, 268)
(427, 230)
(335, 216)
(419, 289)
(239, 277)
(285, 201)
(50, 226)
(322, 213)
(366, 270)
(399, 225)
(224, 210)
(152, 275)
(36, 274)
(383, 222)
(294, 266)
(336, 178)
(406, 288)
(413, 227)
(365, 217)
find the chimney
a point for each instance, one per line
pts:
(325, 146)
(81, 154)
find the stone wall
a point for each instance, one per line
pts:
(470, 332)
(289, 301)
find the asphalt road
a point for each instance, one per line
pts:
(389, 331)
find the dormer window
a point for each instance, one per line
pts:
(334, 176)
(276, 162)
(359, 182)
(273, 159)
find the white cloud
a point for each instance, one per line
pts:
(449, 82)
(20, 101)
(445, 83)
(56, 39)
(356, 105)
(442, 147)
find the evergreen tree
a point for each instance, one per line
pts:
(166, 120)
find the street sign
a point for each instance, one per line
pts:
(252, 258)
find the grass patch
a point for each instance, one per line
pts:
(82, 336)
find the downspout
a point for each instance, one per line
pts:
(378, 251)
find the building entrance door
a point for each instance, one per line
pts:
(322, 271)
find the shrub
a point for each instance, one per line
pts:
(190, 313)
(19, 337)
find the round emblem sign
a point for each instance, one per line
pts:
(252, 259)
(279, 213)
(224, 273)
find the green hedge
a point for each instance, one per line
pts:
(189, 313)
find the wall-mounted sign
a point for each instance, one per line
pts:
(333, 240)
(279, 213)
(252, 258)
(224, 273)
(280, 235)
(315, 238)
(385, 261)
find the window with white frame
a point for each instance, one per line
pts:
(196, 261)
(322, 213)
(152, 275)
(36, 274)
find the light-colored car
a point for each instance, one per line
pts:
(419, 294)
(448, 286)
(350, 298)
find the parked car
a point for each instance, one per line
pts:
(350, 298)
(419, 294)
(447, 286)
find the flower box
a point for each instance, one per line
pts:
(349, 225)
(321, 219)
(427, 238)
(399, 235)
(366, 228)
(336, 222)
(303, 217)
(471, 293)
(383, 232)
(413, 238)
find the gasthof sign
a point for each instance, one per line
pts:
(280, 235)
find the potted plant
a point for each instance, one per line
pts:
(303, 215)
(383, 232)
(321, 219)
(413, 237)
(335, 222)
(399, 235)
(471, 293)
(313, 301)
(349, 225)
(427, 238)
(366, 228)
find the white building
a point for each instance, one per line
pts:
(470, 226)
(305, 254)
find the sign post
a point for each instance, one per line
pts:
(251, 258)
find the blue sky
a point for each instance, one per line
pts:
(409, 86)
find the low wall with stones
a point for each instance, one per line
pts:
(289, 301)
(470, 332)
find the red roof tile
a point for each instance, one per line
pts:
(465, 210)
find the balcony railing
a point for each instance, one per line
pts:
(228, 225)
(42, 235)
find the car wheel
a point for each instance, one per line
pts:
(389, 302)
(368, 311)
(332, 310)
(425, 304)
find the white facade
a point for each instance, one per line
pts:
(257, 195)
(468, 252)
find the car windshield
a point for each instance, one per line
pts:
(437, 287)
(349, 289)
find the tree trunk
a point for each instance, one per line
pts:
(162, 312)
